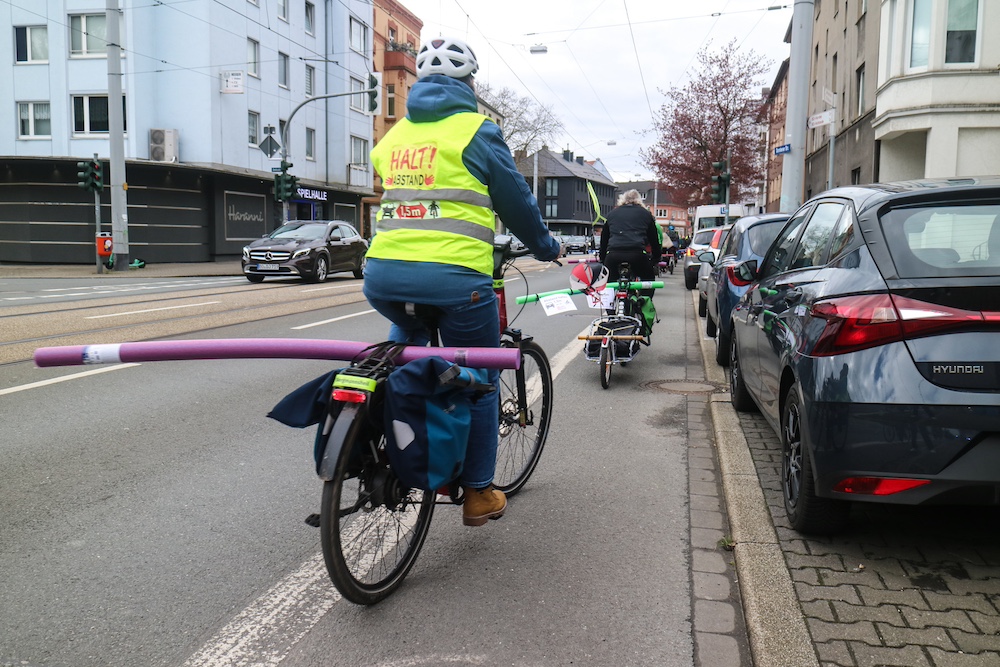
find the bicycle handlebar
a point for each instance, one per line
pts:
(261, 348)
(644, 284)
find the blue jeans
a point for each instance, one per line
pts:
(466, 321)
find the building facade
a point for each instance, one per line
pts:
(937, 112)
(845, 53)
(209, 92)
(563, 194)
(672, 218)
(395, 46)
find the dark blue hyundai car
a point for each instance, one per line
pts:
(870, 341)
(749, 238)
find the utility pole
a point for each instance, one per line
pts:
(116, 138)
(793, 164)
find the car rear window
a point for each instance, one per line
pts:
(703, 237)
(940, 241)
(762, 236)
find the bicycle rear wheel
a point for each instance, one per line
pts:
(523, 434)
(372, 527)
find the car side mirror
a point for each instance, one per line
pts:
(708, 257)
(747, 270)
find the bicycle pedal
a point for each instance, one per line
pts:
(313, 520)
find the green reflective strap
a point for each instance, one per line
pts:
(353, 382)
(498, 284)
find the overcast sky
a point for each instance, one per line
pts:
(608, 62)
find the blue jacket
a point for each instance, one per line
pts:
(488, 158)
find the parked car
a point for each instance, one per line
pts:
(311, 249)
(700, 241)
(707, 258)
(749, 238)
(870, 341)
(576, 244)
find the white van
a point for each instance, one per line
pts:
(714, 215)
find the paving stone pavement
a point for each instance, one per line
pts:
(907, 586)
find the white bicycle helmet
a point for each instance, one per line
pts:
(446, 55)
(587, 278)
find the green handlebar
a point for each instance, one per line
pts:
(643, 284)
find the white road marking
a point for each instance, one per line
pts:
(75, 376)
(328, 287)
(151, 310)
(335, 319)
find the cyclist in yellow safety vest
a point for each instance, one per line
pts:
(446, 170)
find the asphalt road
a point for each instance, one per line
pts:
(154, 516)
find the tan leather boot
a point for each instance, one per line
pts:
(482, 504)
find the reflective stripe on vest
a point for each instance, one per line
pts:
(433, 209)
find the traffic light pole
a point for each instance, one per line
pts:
(374, 92)
(97, 223)
(729, 157)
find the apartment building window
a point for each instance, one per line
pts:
(390, 100)
(310, 80)
(310, 18)
(33, 120)
(283, 9)
(963, 24)
(31, 44)
(920, 33)
(282, 69)
(358, 101)
(359, 150)
(310, 143)
(87, 35)
(551, 187)
(856, 176)
(253, 128)
(859, 89)
(253, 58)
(90, 114)
(359, 36)
(281, 129)
(551, 208)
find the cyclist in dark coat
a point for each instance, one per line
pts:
(630, 228)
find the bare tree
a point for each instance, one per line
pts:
(527, 125)
(718, 110)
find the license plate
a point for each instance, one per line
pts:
(267, 267)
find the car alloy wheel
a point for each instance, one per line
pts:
(738, 394)
(322, 269)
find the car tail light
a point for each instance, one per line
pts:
(734, 279)
(859, 322)
(878, 486)
(350, 396)
(689, 252)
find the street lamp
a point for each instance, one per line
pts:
(538, 48)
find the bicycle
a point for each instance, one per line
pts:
(614, 338)
(363, 500)
(372, 528)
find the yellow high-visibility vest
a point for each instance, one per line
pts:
(433, 209)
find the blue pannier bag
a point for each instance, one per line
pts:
(427, 420)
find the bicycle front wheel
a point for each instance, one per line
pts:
(605, 364)
(523, 431)
(372, 527)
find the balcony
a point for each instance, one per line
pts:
(400, 59)
(359, 175)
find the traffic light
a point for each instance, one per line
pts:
(285, 184)
(97, 171)
(90, 175)
(84, 175)
(720, 182)
(375, 93)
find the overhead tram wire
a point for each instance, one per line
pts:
(638, 62)
(674, 18)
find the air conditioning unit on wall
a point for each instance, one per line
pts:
(163, 145)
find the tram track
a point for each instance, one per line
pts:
(147, 317)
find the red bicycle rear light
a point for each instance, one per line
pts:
(878, 486)
(349, 396)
